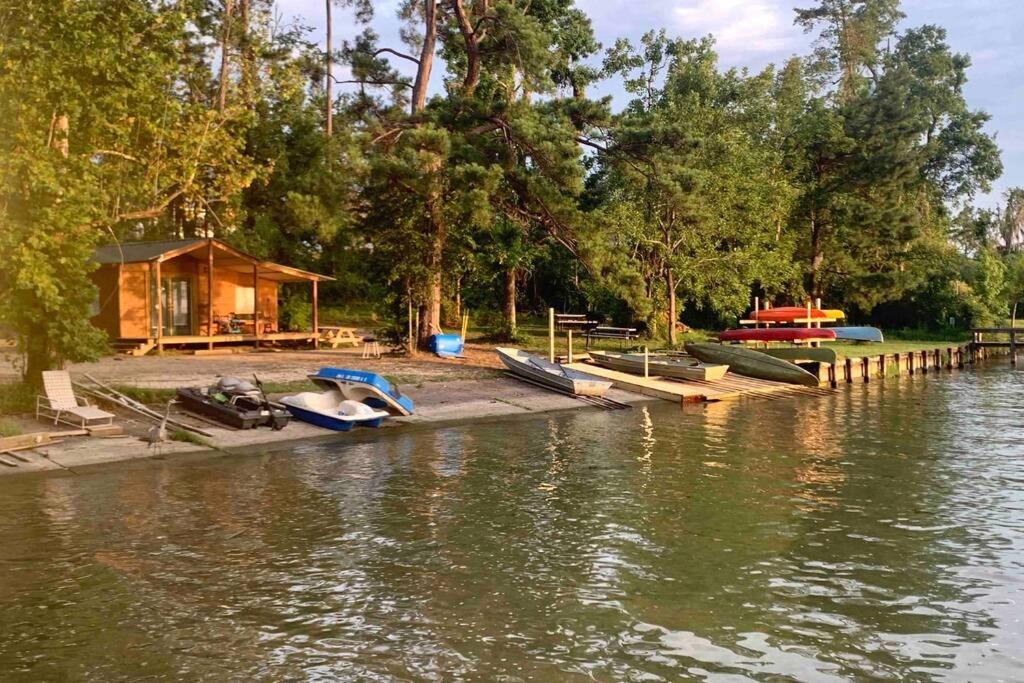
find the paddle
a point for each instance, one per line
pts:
(274, 424)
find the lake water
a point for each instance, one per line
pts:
(874, 534)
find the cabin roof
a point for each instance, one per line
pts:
(137, 252)
(226, 257)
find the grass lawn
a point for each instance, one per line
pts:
(17, 398)
(855, 350)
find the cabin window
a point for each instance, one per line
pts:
(245, 300)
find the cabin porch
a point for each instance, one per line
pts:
(199, 292)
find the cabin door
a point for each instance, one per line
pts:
(176, 299)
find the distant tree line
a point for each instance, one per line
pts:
(847, 174)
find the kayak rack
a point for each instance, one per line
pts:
(596, 401)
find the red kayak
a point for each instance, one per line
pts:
(778, 334)
(787, 314)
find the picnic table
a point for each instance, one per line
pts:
(608, 332)
(336, 335)
(566, 321)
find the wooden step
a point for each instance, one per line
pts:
(134, 347)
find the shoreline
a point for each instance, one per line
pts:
(481, 400)
(445, 394)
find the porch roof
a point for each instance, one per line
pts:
(226, 257)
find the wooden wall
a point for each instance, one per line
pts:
(108, 319)
(132, 299)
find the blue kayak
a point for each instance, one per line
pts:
(864, 334)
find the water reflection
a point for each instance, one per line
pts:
(877, 533)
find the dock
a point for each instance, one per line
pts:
(979, 343)
(692, 391)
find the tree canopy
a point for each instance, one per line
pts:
(847, 174)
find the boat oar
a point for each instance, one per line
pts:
(266, 404)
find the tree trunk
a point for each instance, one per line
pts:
(225, 39)
(248, 85)
(59, 134)
(670, 287)
(426, 62)
(510, 303)
(817, 257)
(329, 78)
(471, 37)
(430, 310)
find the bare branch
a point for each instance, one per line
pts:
(396, 53)
(362, 82)
(115, 153)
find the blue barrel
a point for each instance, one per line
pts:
(446, 344)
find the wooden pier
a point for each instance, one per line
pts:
(693, 391)
(921, 362)
(980, 343)
(845, 370)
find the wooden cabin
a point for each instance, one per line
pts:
(209, 293)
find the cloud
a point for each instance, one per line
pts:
(741, 27)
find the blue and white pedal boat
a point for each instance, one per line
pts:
(349, 398)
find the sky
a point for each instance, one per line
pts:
(755, 33)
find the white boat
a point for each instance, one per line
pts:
(349, 397)
(331, 410)
(676, 367)
(552, 375)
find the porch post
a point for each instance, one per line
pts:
(256, 302)
(159, 308)
(209, 292)
(316, 316)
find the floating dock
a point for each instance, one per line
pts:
(693, 391)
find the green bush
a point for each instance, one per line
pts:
(17, 398)
(295, 314)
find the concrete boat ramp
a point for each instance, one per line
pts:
(694, 391)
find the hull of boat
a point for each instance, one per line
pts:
(659, 366)
(752, 363)
(551, 375)
(812, 355)
(778, 334)
(337, 424)
(244, 413)
(787, 314)
(864, 334)
(364, 387)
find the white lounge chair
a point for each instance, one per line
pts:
(62, 405)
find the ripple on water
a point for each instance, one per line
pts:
(876, 533)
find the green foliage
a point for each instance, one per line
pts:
(148, 395)
(17, 398)
(184, 436)
(690, 187)
(295, 313)
(847, 174)
(97, 132)
(8, 428)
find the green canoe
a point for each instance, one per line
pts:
(752, 363)
(813, 355)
